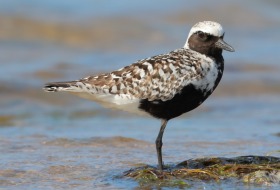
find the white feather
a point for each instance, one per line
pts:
(209, 27)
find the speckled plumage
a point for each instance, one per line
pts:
(163, 86)
(156, 78)
(188, 75)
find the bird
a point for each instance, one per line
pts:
(164, 86)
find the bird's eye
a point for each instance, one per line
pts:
(202, 35)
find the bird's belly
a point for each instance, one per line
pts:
(189, 98)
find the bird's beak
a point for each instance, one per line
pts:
(223, 45)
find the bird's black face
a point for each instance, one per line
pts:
(208, 44)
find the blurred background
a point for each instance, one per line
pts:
(55, 140)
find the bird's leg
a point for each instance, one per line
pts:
(159, 144)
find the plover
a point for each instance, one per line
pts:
(163, 86)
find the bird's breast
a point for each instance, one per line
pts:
(209, 79)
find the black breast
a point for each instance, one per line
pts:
(188, 99)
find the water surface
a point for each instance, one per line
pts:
(56, 141)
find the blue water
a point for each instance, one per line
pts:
(56, 141)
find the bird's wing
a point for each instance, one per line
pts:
(155, 78)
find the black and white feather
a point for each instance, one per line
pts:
(164, 86)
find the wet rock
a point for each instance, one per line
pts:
(263, 177)
(258, 170)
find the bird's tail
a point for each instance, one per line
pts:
(60, 86)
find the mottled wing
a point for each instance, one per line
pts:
(156, 78)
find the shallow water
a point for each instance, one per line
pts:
(56, 141)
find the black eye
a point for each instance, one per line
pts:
(203, 36)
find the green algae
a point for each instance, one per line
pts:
(148, 176)
(259, 170)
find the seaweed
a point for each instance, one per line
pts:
(259, 170)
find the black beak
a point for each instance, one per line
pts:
(223, 45)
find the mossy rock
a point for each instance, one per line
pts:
(259, 170)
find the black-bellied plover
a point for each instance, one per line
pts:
(163, 86)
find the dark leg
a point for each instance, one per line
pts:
(159, 144)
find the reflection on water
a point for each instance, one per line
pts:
(56, 141)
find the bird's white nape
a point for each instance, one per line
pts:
(209, 27)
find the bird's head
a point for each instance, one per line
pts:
(207, 38)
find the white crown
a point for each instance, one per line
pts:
(210, 27)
